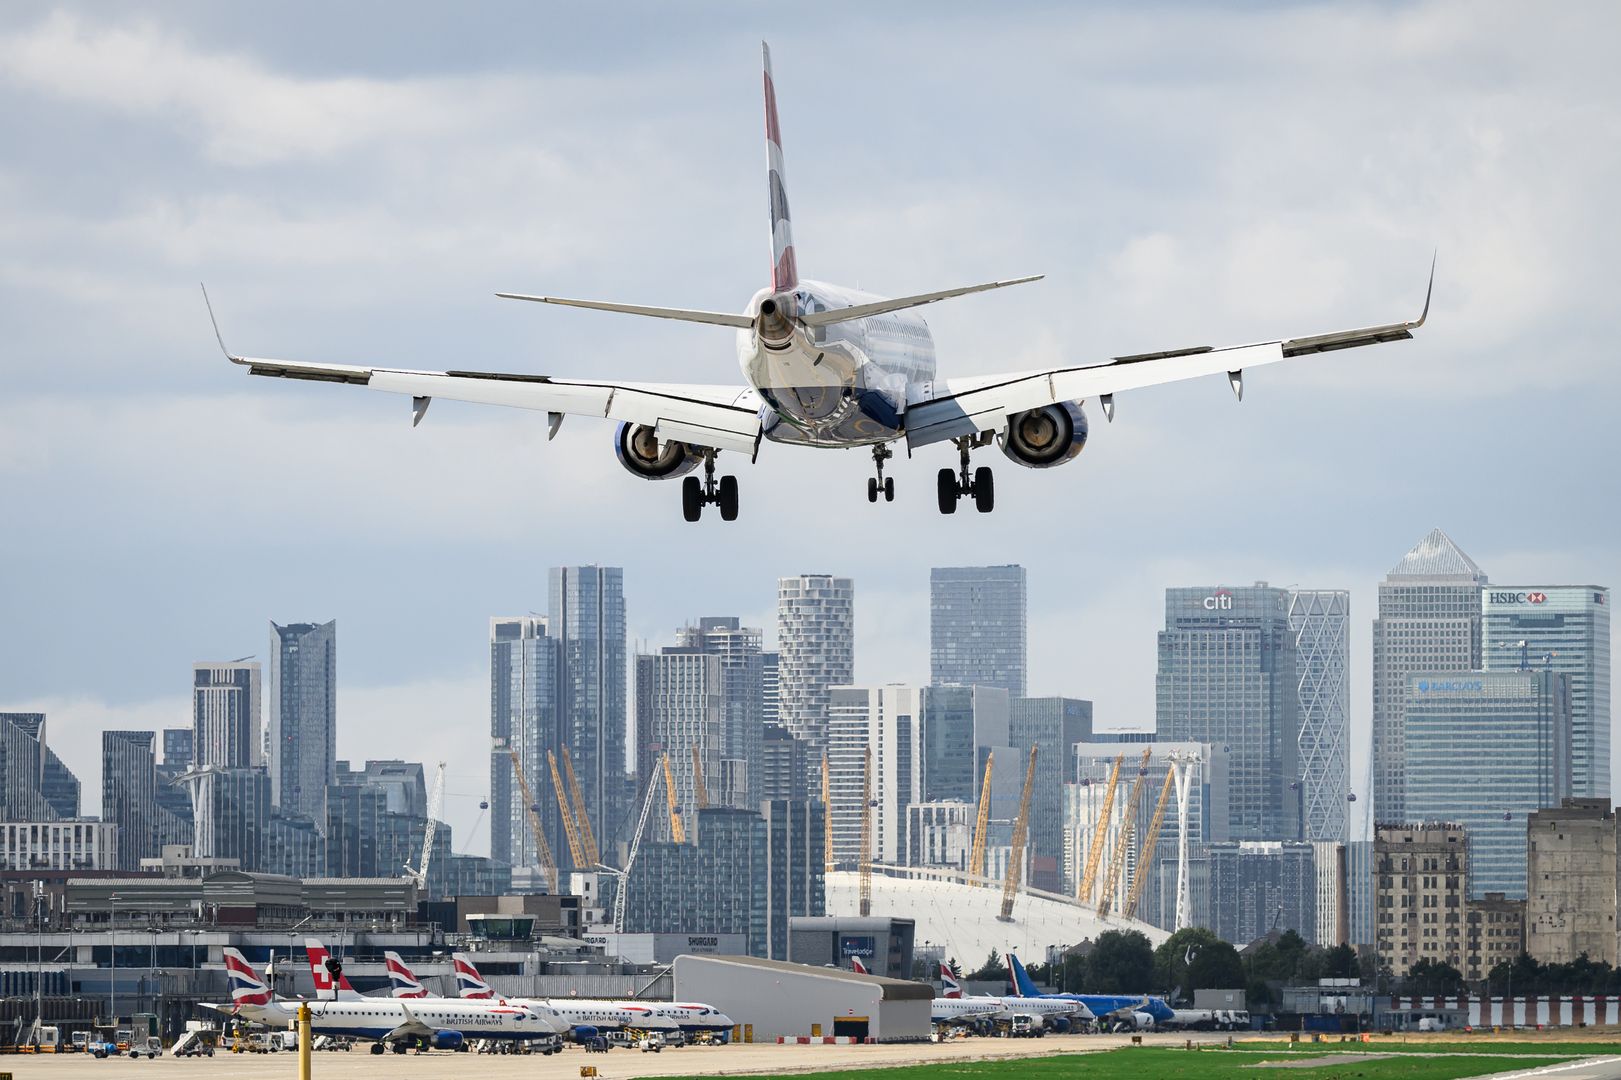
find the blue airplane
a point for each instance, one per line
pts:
(1103, 1007)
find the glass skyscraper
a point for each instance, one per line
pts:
(1562, 628)
(735, 779)
(1227, 677)
(129, 793)
(303, 726)
(680, 709)
(1429, 620)
(523, 719)
(225, 715)
(977, 627)
(1054, 726)
(959, 724)
(1320, 621)
(587, 617)
(1485, 750)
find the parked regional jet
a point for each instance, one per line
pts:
(1055, 1013)
(830, 367)
(404, 982)
(442, 1023)
(587, 1016)
(331, 984)
(1138, 1010)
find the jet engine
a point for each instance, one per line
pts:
(583, 1033)
(1044, 437)
(640, 453)
(1059, 1024)
(446, 1040)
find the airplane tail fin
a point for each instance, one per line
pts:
(1022, 984)
(247, 988)
(331, 984)
(858, 967)
(784, 271)
(404, 980)
(469, 983)
(948, 982)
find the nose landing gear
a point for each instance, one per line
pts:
(885, 484)
(696, 494)
(957, 484)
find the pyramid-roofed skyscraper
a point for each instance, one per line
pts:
(1429, 620)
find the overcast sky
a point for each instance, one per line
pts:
(354, 182)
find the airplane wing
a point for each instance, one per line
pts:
(722, 417)
(410, 1028)
(966, 407)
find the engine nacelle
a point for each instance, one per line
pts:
(1059, 1024)
(446, 1040)
(641, 455)
(583, 1033)
(1044, 437)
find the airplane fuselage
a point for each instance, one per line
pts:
(845, 384)
(374, 1018)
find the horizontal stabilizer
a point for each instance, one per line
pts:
(714, 318)
(901, 303)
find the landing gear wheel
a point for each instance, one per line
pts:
(728, 498)
(984, 490)
(889, 489)
(378, 1048)
(692, 498)
(872, 489)
(948, 491)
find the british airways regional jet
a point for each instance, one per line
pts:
(834, 368)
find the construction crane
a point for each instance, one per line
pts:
(1099, 828)
(976, 857)
(1106, 901)
(827, 816)
(865, 866)
(542, 848)
(1021, 833)
(1145, 858)
(582, 820)
(630, 860)
(576, 850)
(436, 806)
(699, 792)
(678, 831)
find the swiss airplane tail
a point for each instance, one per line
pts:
(331, 984)
(405, 982)
(247, 988)
(469, 983)
(952, 988)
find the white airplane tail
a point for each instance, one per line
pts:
(858, 967)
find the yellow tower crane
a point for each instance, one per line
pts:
(864, 868)
(1106, 901)
(827, 816)
(1099, 828)
(542, 848)
(982, 822)
(1145, 858)
(582, 820)
(575, 849)
(699, 792)
(678, 831)
(1021, 833)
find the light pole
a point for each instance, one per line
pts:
(39, 958)
(112, 956)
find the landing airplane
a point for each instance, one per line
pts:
(828, 367)
(443, 1023)
(1139, 1010)
(1054, 1013)
(587, 1016)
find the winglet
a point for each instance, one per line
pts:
(1429, 290)
(217, 337)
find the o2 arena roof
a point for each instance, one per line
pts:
(963, 917)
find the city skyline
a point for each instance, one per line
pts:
(460, 809)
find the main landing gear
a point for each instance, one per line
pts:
(696, 494)
(959, 484)
(885, 484)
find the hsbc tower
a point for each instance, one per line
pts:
(1564, 629)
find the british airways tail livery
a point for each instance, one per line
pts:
(402, 978)
(834, 368)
